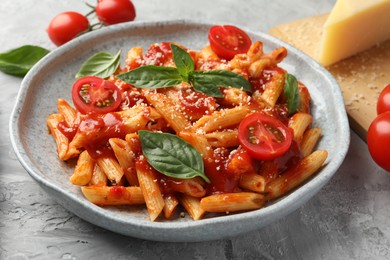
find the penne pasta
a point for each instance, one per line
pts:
(192, 187)
(114, 195)
(65, 149)
(126, 159)
(167, 109)
(234, 97)
(299, 122)
(111, 168)
(150, 189)
(98, 177)
(83, 171)
(295, 176)
(310, 140)
(226, 138)
(134, 57)
(253, 182)
(68, 112)
(273, 90)
(170, 204)
(221, 119)
(231, 202)
(192, 206)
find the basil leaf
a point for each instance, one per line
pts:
(19, 61)
(171, 155)
(183, 61)
(102, 64)
(291, 93)
(208, 82)
(152, 77)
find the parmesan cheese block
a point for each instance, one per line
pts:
(354, 26)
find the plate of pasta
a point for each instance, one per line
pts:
(172, 131)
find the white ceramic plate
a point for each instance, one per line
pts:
(52, 78)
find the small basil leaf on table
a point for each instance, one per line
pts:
(171, 155)
(102, 64)
(291, 93)
(152, 77)
(19, 61)
(183, 61)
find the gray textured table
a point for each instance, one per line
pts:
(348, 219)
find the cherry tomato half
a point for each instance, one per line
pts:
(66, 26)
(115, 11)
(96, 95)
(227, 41)
(383, 104)
(264, 137)
(378, 140)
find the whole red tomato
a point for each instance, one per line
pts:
(378, 140)
(383, 104)
(66, 26)
(115, 11)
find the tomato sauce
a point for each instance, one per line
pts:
(158, 54)
(68, 131)
(117, 191)
(222, 180)
(97, 129)
(195, 104)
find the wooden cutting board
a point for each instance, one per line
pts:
(361, 77)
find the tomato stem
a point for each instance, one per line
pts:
(90, 6)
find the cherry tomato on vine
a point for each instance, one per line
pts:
(378, 140)
(264, 137)
(66, 26)
(94, 94)
(383, 104)
(115, 11)
(227, 41)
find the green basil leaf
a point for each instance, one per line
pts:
(183, 61)
(291, 93)
(19, 61)
(102, 64)
(208, 82)
(171, 155)
(152, 77)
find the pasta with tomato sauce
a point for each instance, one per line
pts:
(177, 128)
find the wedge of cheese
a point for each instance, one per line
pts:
(354, 26)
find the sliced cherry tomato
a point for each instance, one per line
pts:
(94, 94)
(378, 140)
(264, 137)
(66, 26)
(383, 104)
(115, 11)
(227, 41)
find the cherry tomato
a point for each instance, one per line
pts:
(383, 104)
(264, 137)
(94, 94)
(115, 11)
(378, 140)
(227, 41)
(66, 26)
